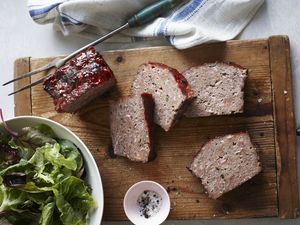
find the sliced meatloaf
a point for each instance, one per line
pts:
(218, 88)
(224, 163)
(79, 81)
(170, 91)
(131, 124)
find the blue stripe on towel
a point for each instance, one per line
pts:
(66, 19)
(189, 10)
(184, 15)
(161, 29)
(46, 9)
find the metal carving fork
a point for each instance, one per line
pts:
(142, 17)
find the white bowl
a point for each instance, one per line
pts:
(131, 206)
(92, 173)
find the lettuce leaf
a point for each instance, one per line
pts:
(4, 137)
(52, 167)
(12, 199)
(14, 218)
(30, 138)
(73, 201)
(47, 214)
(53, 155)
(22, 166)
(71, 152)
(8, 156)
(35, 137)
(46, 130)
(25, 151)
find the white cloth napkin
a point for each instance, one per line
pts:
(194, 23)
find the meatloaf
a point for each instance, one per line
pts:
(79, 81)
(218, 88)
(224, 163)
(170, 91)
(131, 124)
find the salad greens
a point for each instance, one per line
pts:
(40, 179)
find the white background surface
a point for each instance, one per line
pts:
(20, 37)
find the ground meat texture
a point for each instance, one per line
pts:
(170, 90)
(226, 162)
(79, 81)
(218, 87)
(131, 124)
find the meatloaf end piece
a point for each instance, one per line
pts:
(224, 163)
(218, 88)
(170, 91)
(79, 81)
(131, 124)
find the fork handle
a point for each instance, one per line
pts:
(152, 11)
(142, 17)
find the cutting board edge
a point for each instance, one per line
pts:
(285, 127)
(32, 59)
(22, 65)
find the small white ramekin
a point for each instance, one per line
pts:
(131, 207)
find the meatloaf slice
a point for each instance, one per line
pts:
(170, 91)
(218, 87)
(224, 163)
(79, 81)
(131, 124)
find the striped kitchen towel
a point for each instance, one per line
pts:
(190, 24)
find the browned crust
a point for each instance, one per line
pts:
(181, 81)
(73, 103)
(182, 84)
(87, 97)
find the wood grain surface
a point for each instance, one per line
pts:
(286, 153)
(22, 66)
(176, 149)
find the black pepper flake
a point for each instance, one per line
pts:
(149, 203)
(170, 189)
(119, 59)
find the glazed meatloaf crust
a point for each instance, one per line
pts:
(131, 124)
(79, 81)
(170, 91)
(218, 88)
(226, 162)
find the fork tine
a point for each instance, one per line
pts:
(43, 68)
(28, 85)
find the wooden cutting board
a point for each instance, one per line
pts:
(268, 117)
